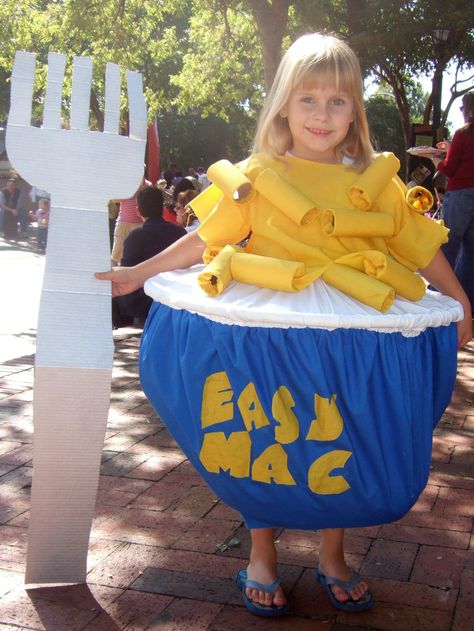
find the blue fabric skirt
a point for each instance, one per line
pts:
(301, 428)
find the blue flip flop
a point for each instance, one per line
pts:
(259, 610)
(364, 602)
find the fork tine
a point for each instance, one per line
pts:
(22, 84)
(54, 88)
(136, 105)
(112, 98)
(81, 92)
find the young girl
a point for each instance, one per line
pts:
(295, 391)
(458, 203)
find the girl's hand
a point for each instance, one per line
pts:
(181, 254)
(465, 329)
(440, 274)
(124, 280)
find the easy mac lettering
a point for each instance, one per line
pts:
(230, 450)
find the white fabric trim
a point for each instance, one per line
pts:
(318, 306)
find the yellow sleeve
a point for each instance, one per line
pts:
(223, 206)
(225, 224)
(417, 238)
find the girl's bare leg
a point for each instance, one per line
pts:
(331, 562)
(263, 567)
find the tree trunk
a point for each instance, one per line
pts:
(96, 110)
(272, 19)
(396, 83)
(356, 14)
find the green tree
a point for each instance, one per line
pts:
(201, 113)
(222, 68)
(204, 60)
(142, 35)
(404, 39)
(192, 140)
(385, 126)
(375, 29)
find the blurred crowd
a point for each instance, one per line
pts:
(24, 209)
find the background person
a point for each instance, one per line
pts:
(458, 200)
(154, 235)
(9, 202)
(128, 219)
(184, 213)
(42, 218)
(182, 185)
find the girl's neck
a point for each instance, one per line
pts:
(337, 160)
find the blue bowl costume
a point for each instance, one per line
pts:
(303, 385)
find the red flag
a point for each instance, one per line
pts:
(153, 153)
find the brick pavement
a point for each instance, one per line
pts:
(163, 549)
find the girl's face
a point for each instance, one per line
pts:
(319, 117)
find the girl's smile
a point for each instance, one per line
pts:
(318, 131)
(319, 117)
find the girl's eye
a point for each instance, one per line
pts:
(338, 101)
(307, 99)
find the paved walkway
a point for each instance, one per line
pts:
(163, 549)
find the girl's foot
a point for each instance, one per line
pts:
(265, 574)
(341, 571)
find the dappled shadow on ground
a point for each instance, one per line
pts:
(77, 599)
(164, 549)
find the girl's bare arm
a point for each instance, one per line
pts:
(183, 253)
(440, 274)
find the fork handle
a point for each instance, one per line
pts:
(74, 324)
(73, 369)
(70, 416)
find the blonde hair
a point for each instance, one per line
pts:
(310, 58)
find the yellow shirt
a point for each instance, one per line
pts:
(309, 220)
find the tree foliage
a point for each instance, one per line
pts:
(385, 126)
(208, 63)
(401, 40)
(221, 67)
